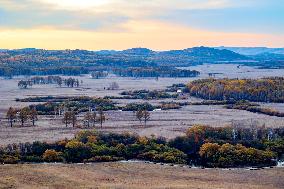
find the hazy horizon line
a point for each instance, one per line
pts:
(153, 49)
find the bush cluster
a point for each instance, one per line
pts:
(202, 145)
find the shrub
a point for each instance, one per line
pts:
(227, 155)
(52, 156)
(84, 136)
(136, 107)
(76, 151)
(38, 148)
(276, 146)
(34, 159)
(9, 159)
(104, 159)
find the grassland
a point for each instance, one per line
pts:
(167, 123)
(135, 175)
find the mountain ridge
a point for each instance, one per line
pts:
(253, 50)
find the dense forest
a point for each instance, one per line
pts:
(155, 72)
(202, 146)
(256, 90)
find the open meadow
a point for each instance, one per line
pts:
(136, 175)
(166, 123)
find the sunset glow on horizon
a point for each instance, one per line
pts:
(155, 24)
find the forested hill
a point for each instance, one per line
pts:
(132, 56)
(187, 56)
(73, 62)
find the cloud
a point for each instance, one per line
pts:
(137, 4)
(150, 23)
(91, 14)
(156, 35)
(34, 15)
(216, 15)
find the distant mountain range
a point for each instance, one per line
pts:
(254, 50)
(246, 51)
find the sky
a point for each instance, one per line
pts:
(154, 24)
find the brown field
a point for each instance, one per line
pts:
(135, 175)
(169, 123)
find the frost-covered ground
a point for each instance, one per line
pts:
(235, 71)
(168, 123)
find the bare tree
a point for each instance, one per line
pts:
(33, 115)
(101, 117)
(73, 118)
(66, 118)
(146, 116)
(24, 115)
(90, 118)
(143, 115)
(113, 86)
(139, 115)
(11, 115)
(24, 84)
(94, 118)
(59, 82)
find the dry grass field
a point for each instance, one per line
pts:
(169, 123)
(135, 175)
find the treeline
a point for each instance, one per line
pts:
(10, 71)
(255, 108)
(154, 72)
(99, 74)
(85, 103)
(256, 90)
(150, 107)
(96, 71)
(77, 104)
(69, 82)
(69, 115)
(241, 105)
(143, 94)
(89, 120)
(202, 146)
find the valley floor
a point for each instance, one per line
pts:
(135, 175)
(166, 123)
